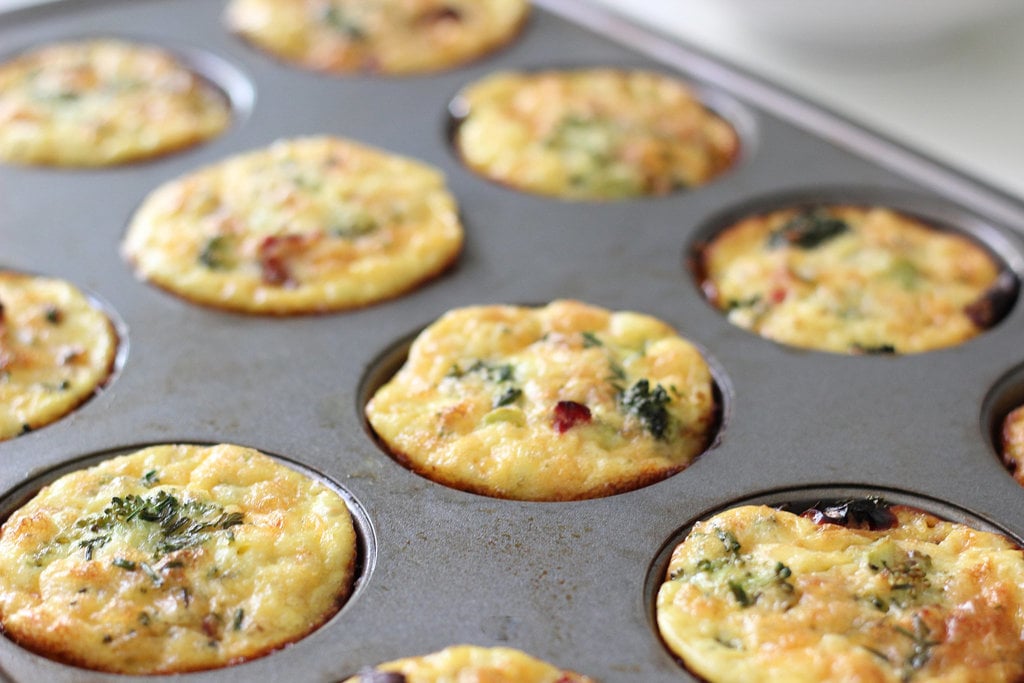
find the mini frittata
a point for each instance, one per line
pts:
(174, 558)
(853, 592)
(390, 37)
(850, 279)
(1013, 443)
(595, 134)
(562, 402)
(469, 664)
(304, 225)
(56, 350)
(102, 102)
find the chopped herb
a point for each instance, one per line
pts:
(236, 624)
(732, 545)
(492, 373)
(648, 406)
(352, 222)
(618, 374)
(782, 571)
(590, 340)
(750, 302)
(808, 230)
(740, 594)
(181, 524)
(150, 478)
(335, 18)
(122, 563)
(510, 395)
(54, 315)
(152, 574)
(108, 639)
(91, 544)
(215, 253)
(922, 647)
(594, 138)
(26, 428)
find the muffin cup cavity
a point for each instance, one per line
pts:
(562, 149)
(193, 520)
(804, 303)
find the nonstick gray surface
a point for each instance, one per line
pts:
(571, 583)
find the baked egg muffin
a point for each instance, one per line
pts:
(857, 591)
(302, 226)
(1012, 440)
(852, 279)
(562, 402)
(469, 664)
(102, 102)
(593, 134)
(174, 558)
(56, 350)
(390, 37)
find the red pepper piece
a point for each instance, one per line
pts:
(568, 414)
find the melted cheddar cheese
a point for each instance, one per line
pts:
(851, 280)
(562, 402)
(305, 225)
(174, 558)
(382, 36)
(759, 595)
(56, 350)
(592, 134)
(103, 102)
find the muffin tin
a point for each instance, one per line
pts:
(571, 583)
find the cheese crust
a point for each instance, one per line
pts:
(760, 595)
(305, 225)
(470, 664)
(103, 102)
(56, 350)
(1013, 443)
(563, 402)
(174, 558)
(592, 134)
(396, 37)
(849, 279)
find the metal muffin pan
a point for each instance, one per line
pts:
(571, 583)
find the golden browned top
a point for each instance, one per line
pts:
(382, 36)
(102, 102)
(760, 595)
(174, 558)
(304, 225)
(592, 133)
(560, 402)
(56, 349)
(852, 279)
(472, 664)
